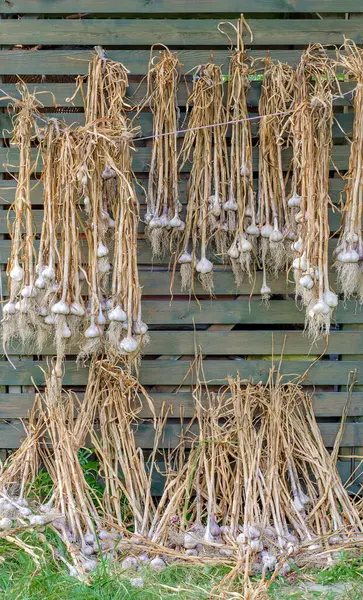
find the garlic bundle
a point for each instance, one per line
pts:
(349, 251)
(21, 318)
(162, 219)
(206, 227)
(312, 127)
(113, 215)
(276, 220)
(240, 207)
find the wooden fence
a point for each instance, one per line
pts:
(46, 44)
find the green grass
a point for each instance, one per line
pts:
(21, 580)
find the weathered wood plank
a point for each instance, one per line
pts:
(12, 434)
(165, 372)
(9, 159)
(342, 127)
(326, 404)
(144, 254)
(7, 191)
(136, 92)
(174, 32)
(140, 7)
(236, 343)
(75, 62)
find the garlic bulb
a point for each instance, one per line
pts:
(40, 282)
(266, 231)
(28, 292)
(117, 314)
(246, 246)
(155, 222)
(348, 256)
(297, 246)
(108, 173)
(37, 520)
(331, 299)
(92, 331)
(253, 230)
(17, 273)
(185, 258)
(320, 308)
(76, 309)
(102, 250)
(231, 204)
(300, 263)
(294, 200)
(276, 236)
(101, 319)
(50, 319)
(157, 564)
(244, 171)
(204, 266)
(129, 344)
(66, 332)
(48, 272)
(9, 308)
(215, 205)
(265, 290)
(175, 221)
(233, 251)
(60, 308)
(307, 282)
(5, 523)
(140, 328)
(164, 221)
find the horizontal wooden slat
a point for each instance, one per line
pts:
(7, 191)
(171, 372)
(326, 404)
(11, 434)
(9, 159)
(174, 32)
(242, 310)
(141, 7)
(75, 62)
(341, 128)
(60, 92)
(233, 343)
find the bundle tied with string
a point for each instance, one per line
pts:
(240, 206)
(349, 251)
(60, 272)
(163, 222)
(275, 211)
(110, 201)
(311, 124)
(21, 317)
(206, 226)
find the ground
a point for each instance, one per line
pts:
(21, 579)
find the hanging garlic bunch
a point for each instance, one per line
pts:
(21, 318)
(276, 221)
(163, 221)
(240, 205)
(113, 214)
(349, 250)
(312, 126)
(61, 300)
(205, 146)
